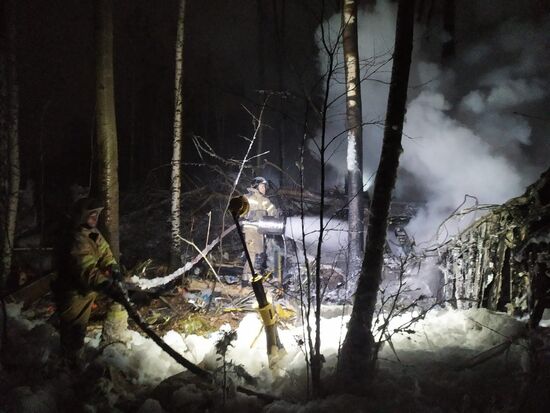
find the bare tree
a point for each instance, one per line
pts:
(10, 139)
(315, 355)
(357, 356)
(176, 145)
(355, 137)
(106, 122)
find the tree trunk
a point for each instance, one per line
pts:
(358, 357)
(12, 123)
(175, 250)
(354, 122)
(315, 357)
(279, 23)
(106, 123)
(261, 81)
(4, 138)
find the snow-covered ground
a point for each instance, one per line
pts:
(434, 366)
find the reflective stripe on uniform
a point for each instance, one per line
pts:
(92, 256)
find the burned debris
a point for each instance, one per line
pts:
(501, 261)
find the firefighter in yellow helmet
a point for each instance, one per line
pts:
(86, 267)
(260, 206)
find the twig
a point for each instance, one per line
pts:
(202, 254)
(192, 367)
(208, 230)
(180, 271)
(486, 355)
(510, 339)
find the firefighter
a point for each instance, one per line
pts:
(87, 268)
(260, 206)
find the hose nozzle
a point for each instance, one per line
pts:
(239, 206)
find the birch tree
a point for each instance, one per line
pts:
(358, 356)
(10, 138)
(176, 155)
(355, 137)
(106, 123)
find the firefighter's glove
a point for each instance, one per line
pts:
(116, 274)
(111, 289)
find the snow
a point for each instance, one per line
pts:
(351, 160)
(146, 284)
(429, 355)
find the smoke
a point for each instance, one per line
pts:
(451, 161)
(377, 31)
(474, 127)
(335, 238)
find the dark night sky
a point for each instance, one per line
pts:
(222, 73)
(56, 72)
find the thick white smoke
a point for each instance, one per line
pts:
(472, 128)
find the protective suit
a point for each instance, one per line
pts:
(260, 206)
(86, 266)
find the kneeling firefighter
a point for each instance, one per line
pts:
(87, 268)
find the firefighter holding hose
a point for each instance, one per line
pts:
(87, 268)
(260, 207)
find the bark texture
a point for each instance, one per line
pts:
(357, 357)
(10, 139)
(355, 137)
(106, 124)
(4, 138)
(177, 141)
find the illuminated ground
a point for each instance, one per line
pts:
(449, 361)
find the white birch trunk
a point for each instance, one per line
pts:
(355, 138)
(176, 155)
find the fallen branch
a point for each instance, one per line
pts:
(192, 367)
(203, 255)
(493, 351)
(145, 284)
(486, 355)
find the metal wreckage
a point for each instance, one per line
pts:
(495, 263)
(492, 264)
(502, 261)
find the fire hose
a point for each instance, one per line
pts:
(239, 206)
(266, 310)
(121, 297)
